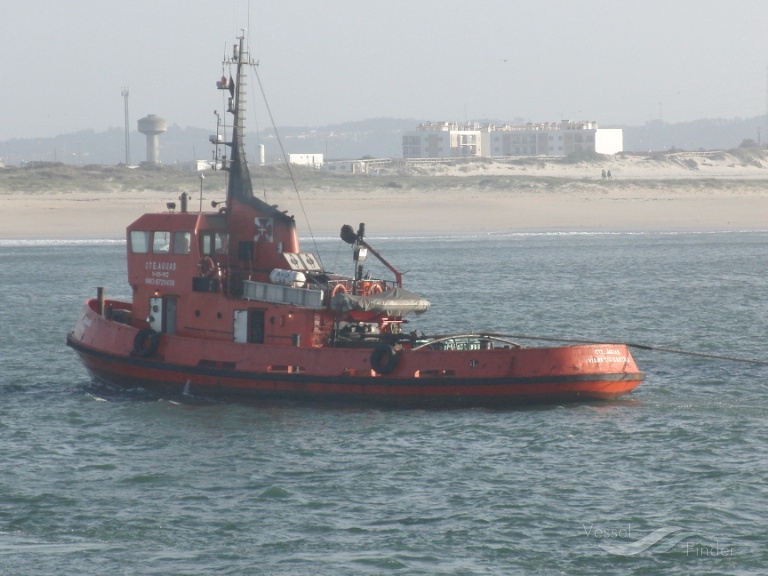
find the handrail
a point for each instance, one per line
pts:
(483, 336)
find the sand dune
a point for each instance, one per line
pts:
(687, 191)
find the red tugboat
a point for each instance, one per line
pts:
(226, 303)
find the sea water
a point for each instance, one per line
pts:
(671, 478)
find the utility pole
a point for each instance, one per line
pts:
(127, 128)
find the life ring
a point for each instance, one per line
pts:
(207, 267)
(338, 289)
(384, 359)
(373, 289)
(146, 342)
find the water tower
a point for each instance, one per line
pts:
(152, 126)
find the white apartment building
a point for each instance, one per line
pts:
(443, 140)
(454, 140)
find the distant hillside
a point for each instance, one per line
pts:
(717, 134)
(377, 138)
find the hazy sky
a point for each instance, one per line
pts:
(64, 63)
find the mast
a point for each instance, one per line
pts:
(240, 187)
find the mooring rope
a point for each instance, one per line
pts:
(640, 347)
(699, 354)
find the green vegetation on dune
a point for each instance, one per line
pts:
(478, 174)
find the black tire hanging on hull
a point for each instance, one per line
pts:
(146, 342)
(384, 359)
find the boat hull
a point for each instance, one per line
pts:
(496, 377)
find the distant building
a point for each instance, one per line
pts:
(198, 165)
(312, 160)
(443, 140)
(454, 140)
(366, 166)
(39, 164)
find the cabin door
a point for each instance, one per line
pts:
(249, 326)
(162, 314)
(169, 321)
(240, 330)
(156, 314)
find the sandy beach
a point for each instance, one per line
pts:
(697, 192)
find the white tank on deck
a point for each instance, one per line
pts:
(287, 278)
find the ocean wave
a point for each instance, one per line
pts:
(21, 242)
